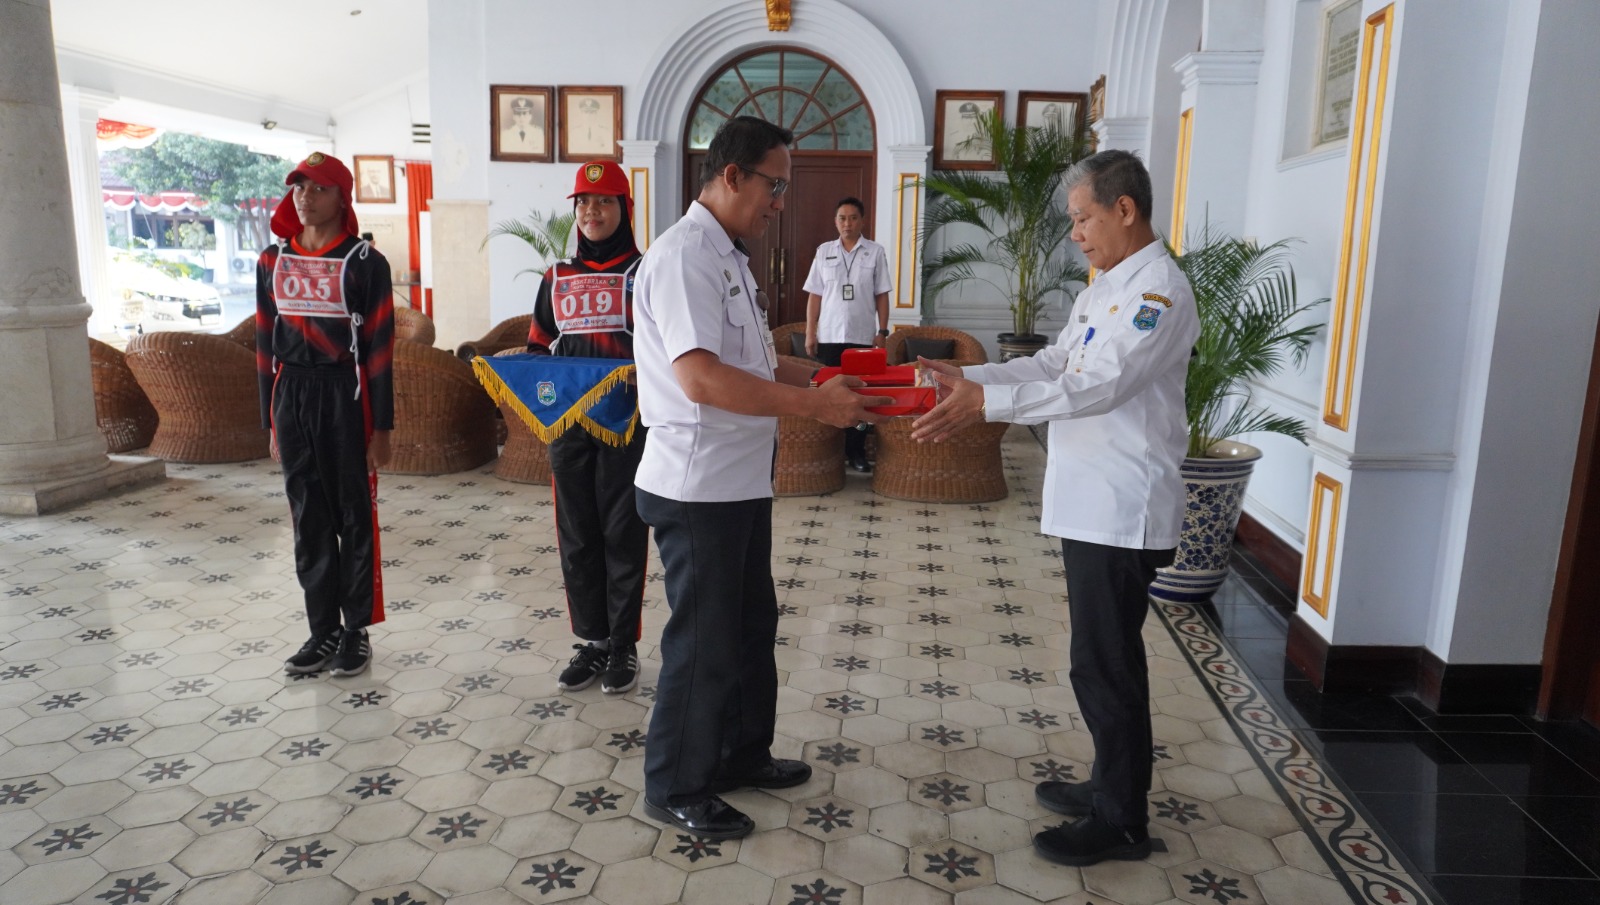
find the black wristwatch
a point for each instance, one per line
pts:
(883, 332)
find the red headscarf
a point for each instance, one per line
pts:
(323, 170)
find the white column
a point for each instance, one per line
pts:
(81, 111)
(51, 451)
(1220, 87)
(641, 160)
(1128, 133)
(899, 224)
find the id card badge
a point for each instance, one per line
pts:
(849, 292)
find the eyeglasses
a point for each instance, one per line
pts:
(779, 186)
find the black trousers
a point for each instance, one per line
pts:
(855, 441)
(322, 441)
(604, 544)
(1108, 597)
(717, 698)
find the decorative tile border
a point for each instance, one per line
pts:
(1360, 858)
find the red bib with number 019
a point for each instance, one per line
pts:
(309, 287)
(589, 302)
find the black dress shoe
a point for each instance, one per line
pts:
(1074, 799)
(1092, 840)
(777, 773)
(859, 464)
(711, 818)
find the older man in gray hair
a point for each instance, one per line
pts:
(1111, 388)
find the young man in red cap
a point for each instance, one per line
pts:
(324, 350)
(585, 309)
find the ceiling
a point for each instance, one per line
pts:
(307, 54)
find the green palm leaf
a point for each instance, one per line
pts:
(547, 234)
(1249, 330)
(1011, 228)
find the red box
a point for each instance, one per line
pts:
(862, 362)
(898, 381)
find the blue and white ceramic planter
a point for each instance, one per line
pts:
(1216, 486)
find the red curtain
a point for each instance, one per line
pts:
(419, 182)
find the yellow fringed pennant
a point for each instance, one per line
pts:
(565, 385)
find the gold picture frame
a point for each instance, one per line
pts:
(374, 178)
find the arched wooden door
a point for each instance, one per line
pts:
(833, 157)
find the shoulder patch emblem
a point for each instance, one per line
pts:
(1152, 297)
(1145, 317)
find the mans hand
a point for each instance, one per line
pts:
(939, 367)
(273, 446)
(377, 450)
(811, 345)
(840, 406)
(879, 340)
(960, 408)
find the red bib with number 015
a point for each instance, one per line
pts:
(309, 287)
(589, 302)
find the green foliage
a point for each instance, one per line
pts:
(547, 234)
(1021, 214)
(221, 173)
(141, 253)
(1246, 299)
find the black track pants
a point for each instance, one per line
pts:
(604, 544)
(322, 439)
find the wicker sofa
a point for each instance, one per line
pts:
(126, 418)
(511, 333)
(204, 389)
(443, 420)
(411, 324)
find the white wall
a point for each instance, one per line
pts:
(481, 42)
(380, 124)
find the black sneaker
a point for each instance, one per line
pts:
(313, 655)
(622, 669)
(583, 669)
(1092, 840)
(354, 655)
(1074, 799)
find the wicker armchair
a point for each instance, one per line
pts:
(443, 421)
(413, 325)
(127, 419)
(965, 468)
(780, 339)
(968, 350)
(204, 389)
(810, 454)
(525, 458)
(511, 333)
(244, 333)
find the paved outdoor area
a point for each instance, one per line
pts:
(152, 750)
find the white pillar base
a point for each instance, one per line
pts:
(120, 474)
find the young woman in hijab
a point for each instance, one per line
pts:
(585, 309)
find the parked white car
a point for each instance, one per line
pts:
(154, 300)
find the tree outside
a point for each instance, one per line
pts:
(239, 186)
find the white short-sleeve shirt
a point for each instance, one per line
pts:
(1111, 387)
(865, 269)
(694, 290)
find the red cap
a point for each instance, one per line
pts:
(323, 170)
(602, 177)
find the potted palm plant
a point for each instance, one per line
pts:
(1249, 329)
(547, 234)
(1019, 215)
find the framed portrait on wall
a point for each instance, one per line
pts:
(1066, 113)
(521, 120)
(959, 142)
(374, 179)
(591, 123)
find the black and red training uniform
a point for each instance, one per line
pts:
(326, 383)
(604, 544)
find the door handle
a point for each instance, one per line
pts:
(783, 267)
(772, 263)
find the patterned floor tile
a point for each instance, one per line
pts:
(145, 717)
